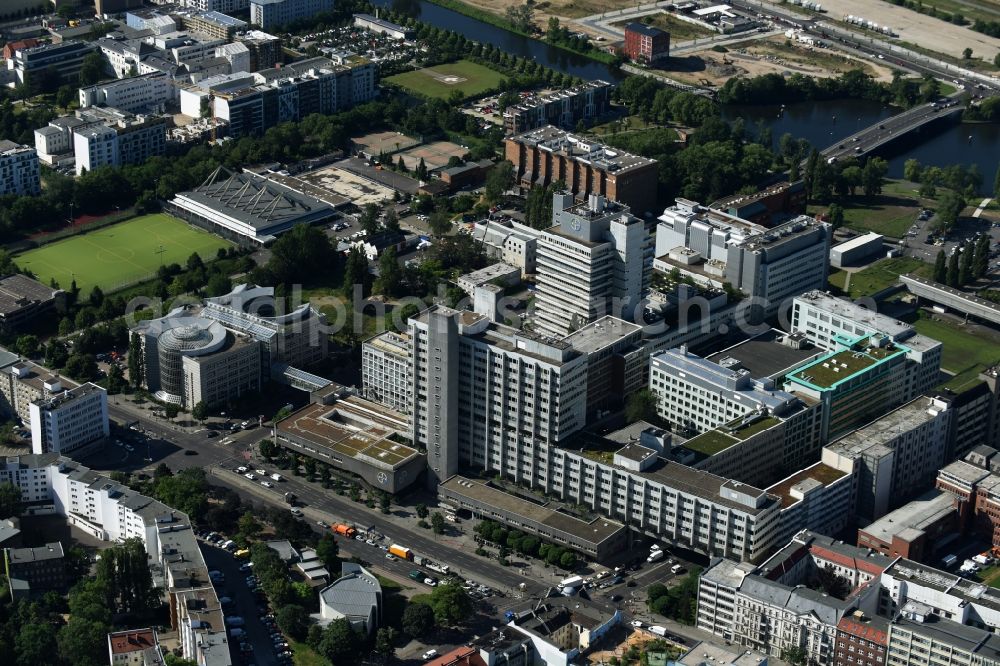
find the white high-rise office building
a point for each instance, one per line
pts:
(491, 396)
(595, 259)
(771, 265)
(69, 421)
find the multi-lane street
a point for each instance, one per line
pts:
(890, 129)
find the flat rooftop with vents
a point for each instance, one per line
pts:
(826, 372)
(599, 538)
(358, 436)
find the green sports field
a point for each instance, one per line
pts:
(119, 255)
(441, 80)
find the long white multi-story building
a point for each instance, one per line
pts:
(71, 421)
(490, 397)
(253, 102)
(770, 265)
(112, 512)
(224, 6)
(595, 259)
(18, 169)
(135, 94)
(696, 394)
(122, 139)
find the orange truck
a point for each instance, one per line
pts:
(343, 530)
(401, 552)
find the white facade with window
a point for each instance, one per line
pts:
(69, 421)
(18, 169)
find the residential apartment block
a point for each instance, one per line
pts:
(949, 596)
(132, 95)
(214, 25)
(771, 265)
(594, 260)
(862, 640)
(224, 6)
(23, 383)
(35, 571)
(70, 422)
(545, 155)
(251, 103)
(562, 108)
(265, 49)
(793, 601)
(269, 14)
(121, 139)
(135, 647)
(920, 637)
(112, 512)
(19, 172)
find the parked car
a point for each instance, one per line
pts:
(430, 654)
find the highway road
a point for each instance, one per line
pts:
(871, 44)
(887, 130)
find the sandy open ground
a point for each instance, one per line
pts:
(768, 56)
(920, 29)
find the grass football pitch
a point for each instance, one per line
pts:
(440, 81)
(121, 254)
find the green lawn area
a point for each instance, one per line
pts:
(965, 353)
(891, 213)
(441, 80)
(119, 255)
(837, 279)
(630, 124)
(754, 428)
(710, 443)
(303, 655)
(886, 272)
(990, 576)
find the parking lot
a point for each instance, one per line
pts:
(240, 601)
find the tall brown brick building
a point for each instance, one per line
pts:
(549, 154)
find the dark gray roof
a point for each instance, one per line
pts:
(798, 600)
(643, 29)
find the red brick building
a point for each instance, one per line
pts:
(912, 530)
(861, 641)
(11, 47)
(548, 154)
(646, 44)
(784, 198)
